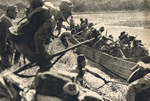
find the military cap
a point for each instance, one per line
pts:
(101, 29)
(111, 36)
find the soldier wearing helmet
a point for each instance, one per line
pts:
(138, 49)
(62, 13)
(101, 42)
(116, 51)
(5, 24)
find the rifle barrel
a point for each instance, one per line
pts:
(34, 63)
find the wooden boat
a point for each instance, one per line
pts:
(145, 59)
(118, 66)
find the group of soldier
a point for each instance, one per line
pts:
(126, 46)
(40, 25)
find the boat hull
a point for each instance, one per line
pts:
(118, 66)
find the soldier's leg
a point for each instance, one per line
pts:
(6, 59)
(137, 87)
(17, 57)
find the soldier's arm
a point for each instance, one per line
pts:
(144, 66)
(6, 24)
(147, 67)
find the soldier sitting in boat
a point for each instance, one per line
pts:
(139, 87)
(91, 34)
(138, 49)
(84, 28)
(111, 37)
(71, 23)
(99, 45)
(125, 43)
(90, 25)
(116, 51)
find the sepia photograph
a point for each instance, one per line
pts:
(74, 50)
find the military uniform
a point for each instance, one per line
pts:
(101, 42)
(139, 85)
(40, 25)
(5, 23)
(4, 33)
(63, 38)
(117, 52)
(71, 23)
(139, 51)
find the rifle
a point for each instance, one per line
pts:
(106, 33)
(27, 66)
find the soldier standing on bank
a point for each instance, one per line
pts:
(5, 23)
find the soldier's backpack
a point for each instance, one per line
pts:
(51, 84)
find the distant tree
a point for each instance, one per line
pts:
(79, 6)
(20, 5)
(3, 7)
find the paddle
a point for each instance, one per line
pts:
(27, 66)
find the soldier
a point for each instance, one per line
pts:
(63, 38)
(101, 42)
(92, 33)
(5, 24)
(116, 51)
(40, 23)
(139, 50)
(71, 23)
(140, 84)
(110, 36)
(125, 43)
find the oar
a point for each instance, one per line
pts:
(35, 63)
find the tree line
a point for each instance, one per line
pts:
(92, 5)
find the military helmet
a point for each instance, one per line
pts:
(12, 8)
(80, 58)
(110, 36)
(101, 29)
(66, 5)
(90, 25)
(123, 35)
